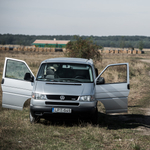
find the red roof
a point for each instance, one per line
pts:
(50, 42)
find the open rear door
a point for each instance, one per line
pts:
(15, 89)
(112, 87)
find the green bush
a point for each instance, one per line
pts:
(83, 48)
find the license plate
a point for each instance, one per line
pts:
(61, 110)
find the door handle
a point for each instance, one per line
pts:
(128, 86)
(2, 81)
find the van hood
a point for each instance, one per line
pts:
(62, 88)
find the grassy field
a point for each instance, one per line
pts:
(113, 131)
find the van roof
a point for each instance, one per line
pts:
(69, 60)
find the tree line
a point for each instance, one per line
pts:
(104, 41)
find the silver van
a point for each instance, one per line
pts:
(65, 87)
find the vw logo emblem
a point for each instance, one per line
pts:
(62, 97)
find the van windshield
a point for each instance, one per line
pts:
(65, 72)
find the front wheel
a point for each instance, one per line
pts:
(34, 119)
(94, 117)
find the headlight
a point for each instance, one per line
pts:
(86, 98)
(39, 96)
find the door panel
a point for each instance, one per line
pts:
(15, 89)
(114, 92)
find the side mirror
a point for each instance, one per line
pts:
(28, 77)
(100, 80)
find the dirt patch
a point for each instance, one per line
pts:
(145, 60)
(143, 130)
(139, 122)
(146, 110)
(143, 121)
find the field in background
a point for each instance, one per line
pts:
(113, 131)
(107, 50)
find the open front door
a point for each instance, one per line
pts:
(15, 88)
(112, 87)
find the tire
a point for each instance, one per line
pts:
(94, 117)
(34, 119)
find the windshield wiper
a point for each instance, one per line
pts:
(66, 79)
(52, 80)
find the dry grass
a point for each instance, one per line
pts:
(120, 131)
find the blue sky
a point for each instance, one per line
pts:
(75, 17)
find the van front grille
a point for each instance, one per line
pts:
(61, 103)
(59, 97)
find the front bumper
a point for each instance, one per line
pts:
(77, 112)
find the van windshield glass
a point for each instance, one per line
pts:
(65, 72)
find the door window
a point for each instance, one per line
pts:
(115, 74)
(16, 69)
